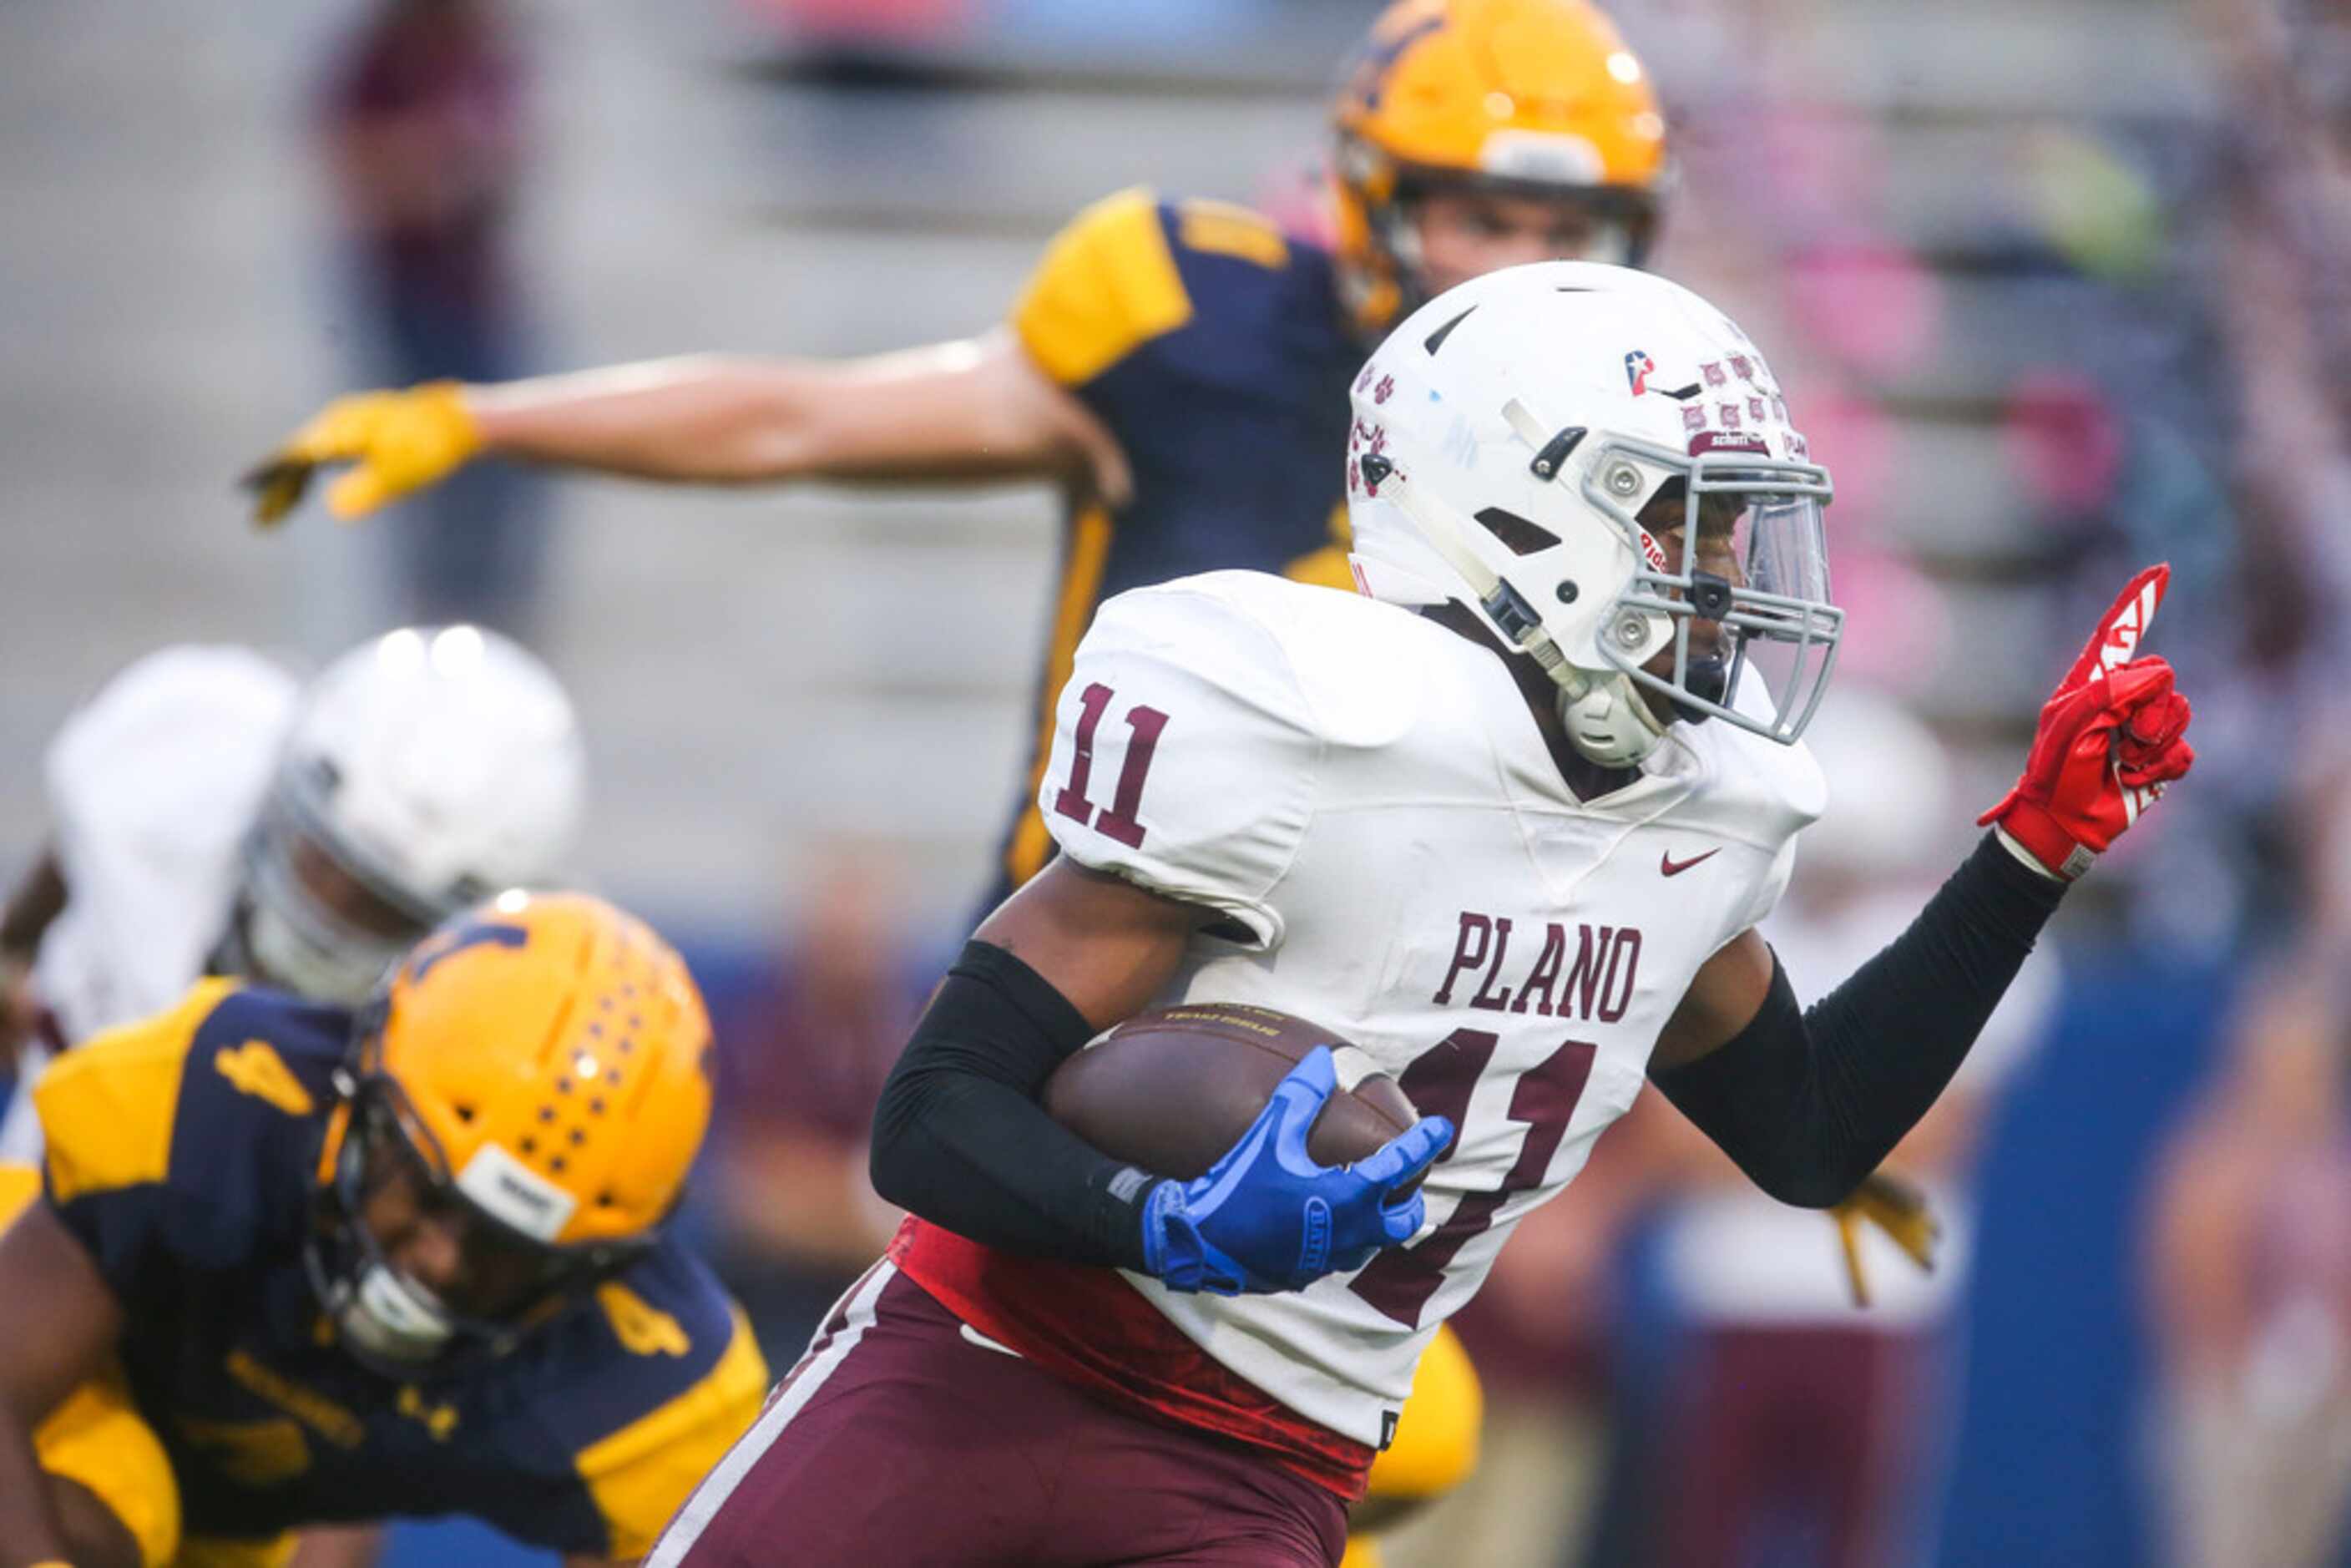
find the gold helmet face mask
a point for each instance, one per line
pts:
(1533, 99)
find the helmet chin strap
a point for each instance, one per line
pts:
(1607, 721)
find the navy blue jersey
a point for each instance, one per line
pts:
(185, 1153)
(1218, 352)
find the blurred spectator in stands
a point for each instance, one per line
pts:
(800, 1073)
(423, 117)
(2285, 179)
(1794, 1426)
(2249, 1246)
(2250, 1286)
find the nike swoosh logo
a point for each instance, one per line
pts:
(1669, 867)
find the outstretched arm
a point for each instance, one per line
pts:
(978, 409)
(1809, 1101)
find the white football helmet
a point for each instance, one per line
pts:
(1507, 436)
(423, 771)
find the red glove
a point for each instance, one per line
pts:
(2111, 736)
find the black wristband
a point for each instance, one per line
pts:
(959, 1138)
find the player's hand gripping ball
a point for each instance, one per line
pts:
(398, 441)
(1268, 1217)
(1275, 1176)
(2112, 735)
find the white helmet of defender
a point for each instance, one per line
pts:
(425, 772)
(1507, 436)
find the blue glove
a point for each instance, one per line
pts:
(1266, 1217)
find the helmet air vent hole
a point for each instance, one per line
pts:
(605, 1199)
(547, 1113)
(555, 1162)
(579, 1136)
(529, 1146)
(596, 1106)
(1436, 339)
(1567, 591)
(464, 1113)
(1521, 536)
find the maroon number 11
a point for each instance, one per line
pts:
(1119, 823)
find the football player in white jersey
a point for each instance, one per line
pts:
(210, 814)
(1506, 824)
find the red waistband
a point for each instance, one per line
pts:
(1089, 1327)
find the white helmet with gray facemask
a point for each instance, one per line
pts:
(423, 771)
(1507, 438)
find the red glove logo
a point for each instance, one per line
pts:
(2111, 736)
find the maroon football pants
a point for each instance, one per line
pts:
(902, 1439)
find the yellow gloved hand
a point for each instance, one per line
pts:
(398, 441)
(1897, 1208)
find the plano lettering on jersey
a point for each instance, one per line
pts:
(1588, 972)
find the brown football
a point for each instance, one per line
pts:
(1173, 1090)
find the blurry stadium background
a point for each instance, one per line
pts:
(2057, 287)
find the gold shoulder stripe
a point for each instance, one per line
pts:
(257, 1069)
(642, 1473)
(107, 1107)
(1220, 228)
(1107, 285)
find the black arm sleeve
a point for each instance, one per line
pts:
(960, 1139)
(1809, 1103)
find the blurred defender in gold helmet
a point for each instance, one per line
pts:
(535, 1069)
(288, 1265)
(1468, 125)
